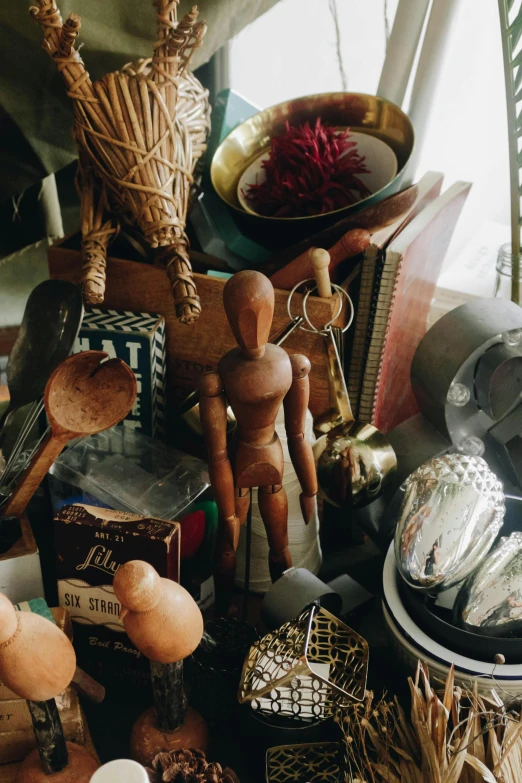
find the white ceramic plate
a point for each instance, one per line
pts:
(380, 159)
(416, 642)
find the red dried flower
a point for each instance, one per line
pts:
(310, 171)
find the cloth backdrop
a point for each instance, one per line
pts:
(35, 114)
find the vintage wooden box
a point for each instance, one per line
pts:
(194, 349)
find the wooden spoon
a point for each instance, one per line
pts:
(83, 396)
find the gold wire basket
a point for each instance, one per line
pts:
(306, 668)
(312, 761)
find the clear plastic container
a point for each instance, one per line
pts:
(126, 470)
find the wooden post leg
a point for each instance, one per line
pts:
(49, 735)
(54, 759)
(168, 694)
(169, 724)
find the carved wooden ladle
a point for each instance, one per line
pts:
(83, 396)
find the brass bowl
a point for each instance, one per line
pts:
(361, 113)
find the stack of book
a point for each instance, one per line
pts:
(398, 278)
(16, 728)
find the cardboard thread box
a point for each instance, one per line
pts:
(91, 544)
(138, 339)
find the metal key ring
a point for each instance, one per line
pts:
(312, 327)
(339, 291)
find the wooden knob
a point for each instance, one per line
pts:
(166, 626)
(321, 261)
(248, 298)
(37, 660)
(138, 586)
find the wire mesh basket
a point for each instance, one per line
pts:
(312, 761)
(306, 668)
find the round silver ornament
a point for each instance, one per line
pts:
(452, 511)
(490, 601)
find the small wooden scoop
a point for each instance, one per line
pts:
(83, 396)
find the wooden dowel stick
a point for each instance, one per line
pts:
(321, 261)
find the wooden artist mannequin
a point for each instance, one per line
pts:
(37, 662)
(254, 379)
(164, 622)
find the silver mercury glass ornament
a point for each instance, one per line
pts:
(452, 511)
(490, 601)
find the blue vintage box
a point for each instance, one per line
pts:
(138, 339)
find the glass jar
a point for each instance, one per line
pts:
(503, 276)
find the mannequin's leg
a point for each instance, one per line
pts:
(226, 560)
(273, 506)
(242, 504)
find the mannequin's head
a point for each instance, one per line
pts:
(248, 299)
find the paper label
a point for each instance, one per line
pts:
(90, 605)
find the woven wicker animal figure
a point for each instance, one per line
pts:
(140, 132)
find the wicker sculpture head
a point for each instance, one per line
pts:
(140, 132)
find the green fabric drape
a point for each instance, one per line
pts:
(114, 32)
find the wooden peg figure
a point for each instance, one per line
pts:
(165, 623)
(254, 379)
(37, 662)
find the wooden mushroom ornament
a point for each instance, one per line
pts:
(164, 622)
(37, 662)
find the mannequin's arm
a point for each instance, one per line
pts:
(213, 413)
(296, 405)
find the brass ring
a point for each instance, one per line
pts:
(340, 291)
(312, 327)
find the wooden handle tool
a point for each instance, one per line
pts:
(351, 244)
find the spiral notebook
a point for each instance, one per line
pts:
(372, 268)
(412, 264)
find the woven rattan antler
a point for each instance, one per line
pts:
(140, 132)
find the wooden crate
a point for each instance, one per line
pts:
(196, 348)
